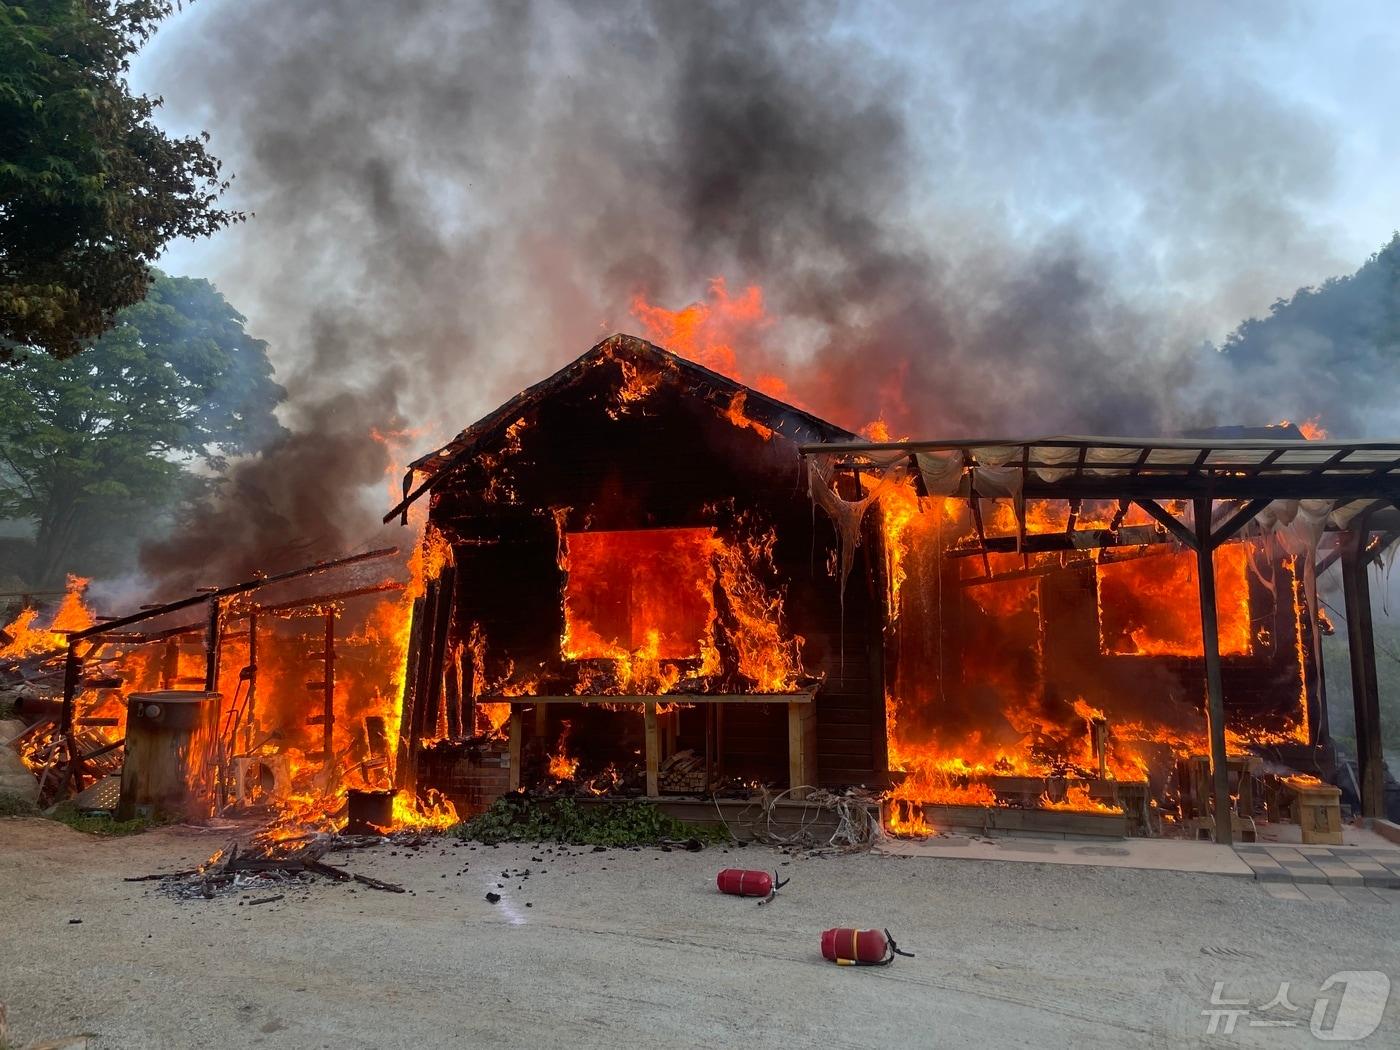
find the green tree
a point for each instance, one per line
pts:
(90, 188)
(1335, 347)
(144, 417)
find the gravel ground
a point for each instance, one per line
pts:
(636, 948)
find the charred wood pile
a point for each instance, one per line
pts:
(264, 866)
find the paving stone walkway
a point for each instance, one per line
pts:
(1325, 873)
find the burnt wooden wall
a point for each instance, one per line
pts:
(669, 460)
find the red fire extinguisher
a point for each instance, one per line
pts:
(741, 883)
(860, 947)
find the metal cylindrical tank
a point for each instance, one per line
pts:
(171, 755)
(369, 812)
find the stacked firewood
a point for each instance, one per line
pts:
(683, 773)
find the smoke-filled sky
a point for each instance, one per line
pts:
(964, 217)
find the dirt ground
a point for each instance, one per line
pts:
(636, 948)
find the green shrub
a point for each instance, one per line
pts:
(13, 805)
(100, 823)
(518, 818)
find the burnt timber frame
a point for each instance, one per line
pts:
(1249, 473)
(216, 612)
(802, 736)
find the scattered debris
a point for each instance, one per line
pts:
(378, 884)
(264, 862)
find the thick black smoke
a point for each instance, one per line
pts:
(453, 199)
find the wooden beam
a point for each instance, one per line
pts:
(405, 769)
(1137, 466)
(1236, 521)
(1172, 524)
(1018, 501)
(1119, 515)
(804, 697)
(1222, 486)
(1365, 690)
(328, 694)
(250, 704)
(212, 637)
(1332, 461)
(1215, 690)
(1382, 471)
(802, 749)
(1054, 542)
(1378, 546)
(1328, 560)
(442, 621)
(1074, 506)
(1266, 461)
(452, 697)
(225, 592)
(72, 677)
(976, 504)
(653, 751)
(423, 672)
(517, 733)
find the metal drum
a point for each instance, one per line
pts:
(171, 762)
(369, 812)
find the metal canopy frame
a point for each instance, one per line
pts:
(1245, 474)
(1168, 468)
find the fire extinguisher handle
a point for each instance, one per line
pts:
(895, 948)
(777, 885)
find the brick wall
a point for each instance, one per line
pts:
(472, 777)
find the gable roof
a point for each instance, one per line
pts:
(786, 421)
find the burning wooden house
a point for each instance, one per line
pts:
(631, 572)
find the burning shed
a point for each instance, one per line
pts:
(631, 583)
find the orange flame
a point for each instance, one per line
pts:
(28, 639)
(708, 332)
(645, 602)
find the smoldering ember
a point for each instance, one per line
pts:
(965, 621)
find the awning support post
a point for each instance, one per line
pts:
(1215, 689)
(1365, 692)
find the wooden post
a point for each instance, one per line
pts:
(170, 663)
(452, 698)
(653, 751)
(212, 637)
(404, 774)
(422, 674)
(516, 732)
(72, 675)
(802, 748)
(328, 693)
(710, 710)
(1215, 689)
(252, 704)
(1365, 692)
(435, 654)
